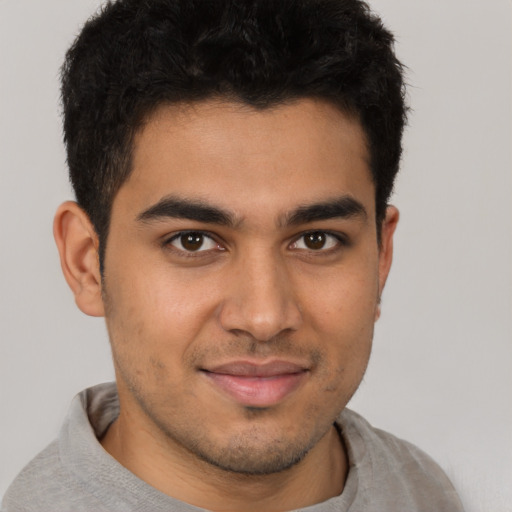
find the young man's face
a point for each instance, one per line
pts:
(242, 279)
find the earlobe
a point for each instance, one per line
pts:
(77, 243)
(386, 249)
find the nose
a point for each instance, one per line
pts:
(259, 299)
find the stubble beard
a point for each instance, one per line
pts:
(253, 451)
(250, 453)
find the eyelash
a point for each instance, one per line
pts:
(341, 241)
(191, 254)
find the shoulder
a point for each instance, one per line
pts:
(42, 485)
(394, 473)
(383, 446)
(75, 473)
(57, 478)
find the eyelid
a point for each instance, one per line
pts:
(167, 242)
(340, 238)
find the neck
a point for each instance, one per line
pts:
(158, 462)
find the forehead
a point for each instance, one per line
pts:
(244, 159)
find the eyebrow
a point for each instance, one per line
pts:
(179, 208)
(341, 207)
(200, 211)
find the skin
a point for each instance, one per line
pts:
(266, 283)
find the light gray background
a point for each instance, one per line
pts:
(441, 370)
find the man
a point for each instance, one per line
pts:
(232, 163)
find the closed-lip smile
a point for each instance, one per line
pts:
(257, 384)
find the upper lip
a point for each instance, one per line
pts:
(256, 369)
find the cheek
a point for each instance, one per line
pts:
(343, 320)
(180, 307)
(156, 315)
(346, 302)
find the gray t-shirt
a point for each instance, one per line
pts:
(75, 474)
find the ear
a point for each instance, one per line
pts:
(386, 249)
(78, 248)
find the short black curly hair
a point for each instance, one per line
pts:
(135, 55)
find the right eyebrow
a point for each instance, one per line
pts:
(179, 208)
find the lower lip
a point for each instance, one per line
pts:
(257, 391)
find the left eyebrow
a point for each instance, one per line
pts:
(344, 207)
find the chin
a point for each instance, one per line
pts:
(246, 459)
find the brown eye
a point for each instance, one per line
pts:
(315, 241)
(193, 241)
